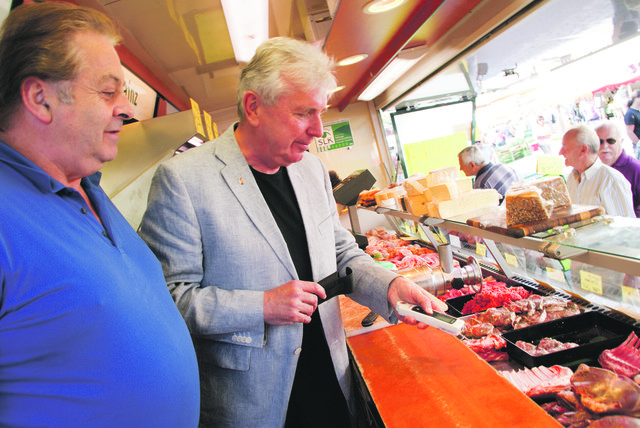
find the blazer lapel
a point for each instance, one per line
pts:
(239, 178)
(308, 209)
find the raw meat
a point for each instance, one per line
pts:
(498, 317)
(488, 348)
(625, 359)
(466, 290)
(538, 309)
(403, 253)
(518, 314)
(578, 419)
(494, 295)
(616, 421)
(603, 391)
(527, 347)
(546, 346)
(475, 329)
(540, 380)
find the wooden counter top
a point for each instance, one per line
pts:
(429, 378)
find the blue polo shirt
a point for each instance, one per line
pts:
(89, 334)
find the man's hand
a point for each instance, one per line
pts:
(292, 302)
(403, 289)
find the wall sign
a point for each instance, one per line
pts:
(141, 96)
(335, 135)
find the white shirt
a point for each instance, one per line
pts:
(603, 186)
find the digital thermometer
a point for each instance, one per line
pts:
(444, 322)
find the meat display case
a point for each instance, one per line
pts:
(428, 378)
(597, 260)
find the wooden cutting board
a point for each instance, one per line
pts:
(427, 378)
(497, 221)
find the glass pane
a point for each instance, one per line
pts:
(616, 235)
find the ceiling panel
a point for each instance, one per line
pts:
(185, 44)
(380, 36)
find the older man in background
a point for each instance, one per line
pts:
(591, 182)
(488, 175)
(611, 153)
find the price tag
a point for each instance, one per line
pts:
(511, 259)
(455, 241)
(197, 117)
(630, 295)
(552, 165)
(481, 249)
(555, 274)
(208, 124)
(591, 282)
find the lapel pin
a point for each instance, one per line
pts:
(241, 180)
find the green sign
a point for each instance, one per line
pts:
(334, 136)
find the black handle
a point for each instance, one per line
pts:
(335, 285)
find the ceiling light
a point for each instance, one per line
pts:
(392, 72)
(379, 6)
(352, 59)
(248, 23)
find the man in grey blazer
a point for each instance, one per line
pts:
(245, 226)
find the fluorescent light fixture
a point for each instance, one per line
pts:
(392, 72)
(248, 23)
(354, 59)
(379, 6)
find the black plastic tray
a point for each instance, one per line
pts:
(457, 303)
(593, 331)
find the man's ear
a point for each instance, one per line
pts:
(251, 103)
(35, 93)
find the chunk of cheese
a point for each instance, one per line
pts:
(442, 175)
(386, 198)
(466, 203)
(416, 205)
(444, 191)
(414, 187)
(465, 184)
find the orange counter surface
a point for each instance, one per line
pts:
(429, 378)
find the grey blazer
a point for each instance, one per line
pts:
(220, 249)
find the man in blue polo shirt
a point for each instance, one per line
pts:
(89, 334)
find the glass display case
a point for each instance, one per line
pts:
(597, 260)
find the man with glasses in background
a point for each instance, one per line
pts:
(611, 153)
(591, 182)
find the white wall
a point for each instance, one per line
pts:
(364, 154)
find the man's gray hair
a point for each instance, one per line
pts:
(614, 128)
(282, 64)
(472, 154)
(586, 136)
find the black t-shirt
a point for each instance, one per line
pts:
(316, 398)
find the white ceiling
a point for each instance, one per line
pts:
(177, 39)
